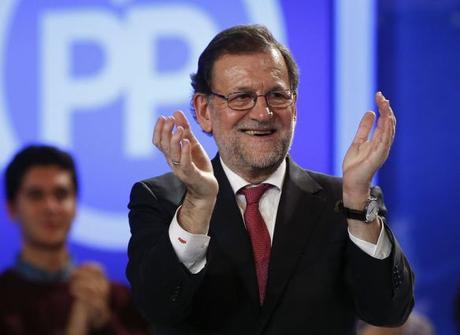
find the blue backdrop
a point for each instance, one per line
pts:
(91, 76)
(419, 68)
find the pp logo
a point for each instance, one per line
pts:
(92, 77)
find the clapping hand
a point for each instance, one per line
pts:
(190, 163)
(362, 160)
(366, 155)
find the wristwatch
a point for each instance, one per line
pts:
(367, 215)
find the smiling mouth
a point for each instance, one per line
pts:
(258, 132)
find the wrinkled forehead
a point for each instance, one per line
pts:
(251, 69)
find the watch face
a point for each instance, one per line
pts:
(372, 211)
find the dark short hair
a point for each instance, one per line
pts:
(243, 39)
(32, 156)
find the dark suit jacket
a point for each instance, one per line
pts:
(319, 281)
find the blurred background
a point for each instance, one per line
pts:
(92, 76)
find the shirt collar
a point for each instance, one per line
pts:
(237, 182)
(35, 274)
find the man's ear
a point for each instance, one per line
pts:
(202, 110)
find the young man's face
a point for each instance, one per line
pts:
(45, 206)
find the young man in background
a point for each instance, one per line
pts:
(45, 292)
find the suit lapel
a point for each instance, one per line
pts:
(228, 231)
(298, 214)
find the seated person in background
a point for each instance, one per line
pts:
(44, 292)
(416, 324)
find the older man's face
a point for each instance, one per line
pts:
(259, 138)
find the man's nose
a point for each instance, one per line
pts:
(51, 203)
(261, 110)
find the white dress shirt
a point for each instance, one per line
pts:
(191, 248)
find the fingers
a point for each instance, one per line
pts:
(364, 128)
(165, 135)
(185, 169)
(157, 131)
(169, 132)
(175, 146)
(386, 125)
(385, 138)
(88, 282)
(91, 291)
(377, 145)
(384, 134)
(383, 105)
(89, 269)
(186, 154)
(385, 111)
(181, 120)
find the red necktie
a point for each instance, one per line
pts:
(258, 232)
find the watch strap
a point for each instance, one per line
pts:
(355, 214)
(349, 213)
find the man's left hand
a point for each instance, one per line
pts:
(362, 160)
(366, 155)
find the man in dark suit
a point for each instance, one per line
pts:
(250, 243)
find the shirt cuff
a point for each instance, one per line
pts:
(381, 250)
(190, 248)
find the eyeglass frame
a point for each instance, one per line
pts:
(255, 96)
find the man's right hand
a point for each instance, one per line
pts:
(190, 163)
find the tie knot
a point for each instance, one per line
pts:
(253, 194)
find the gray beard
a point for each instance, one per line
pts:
(242, 159)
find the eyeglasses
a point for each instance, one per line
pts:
(241, 101)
